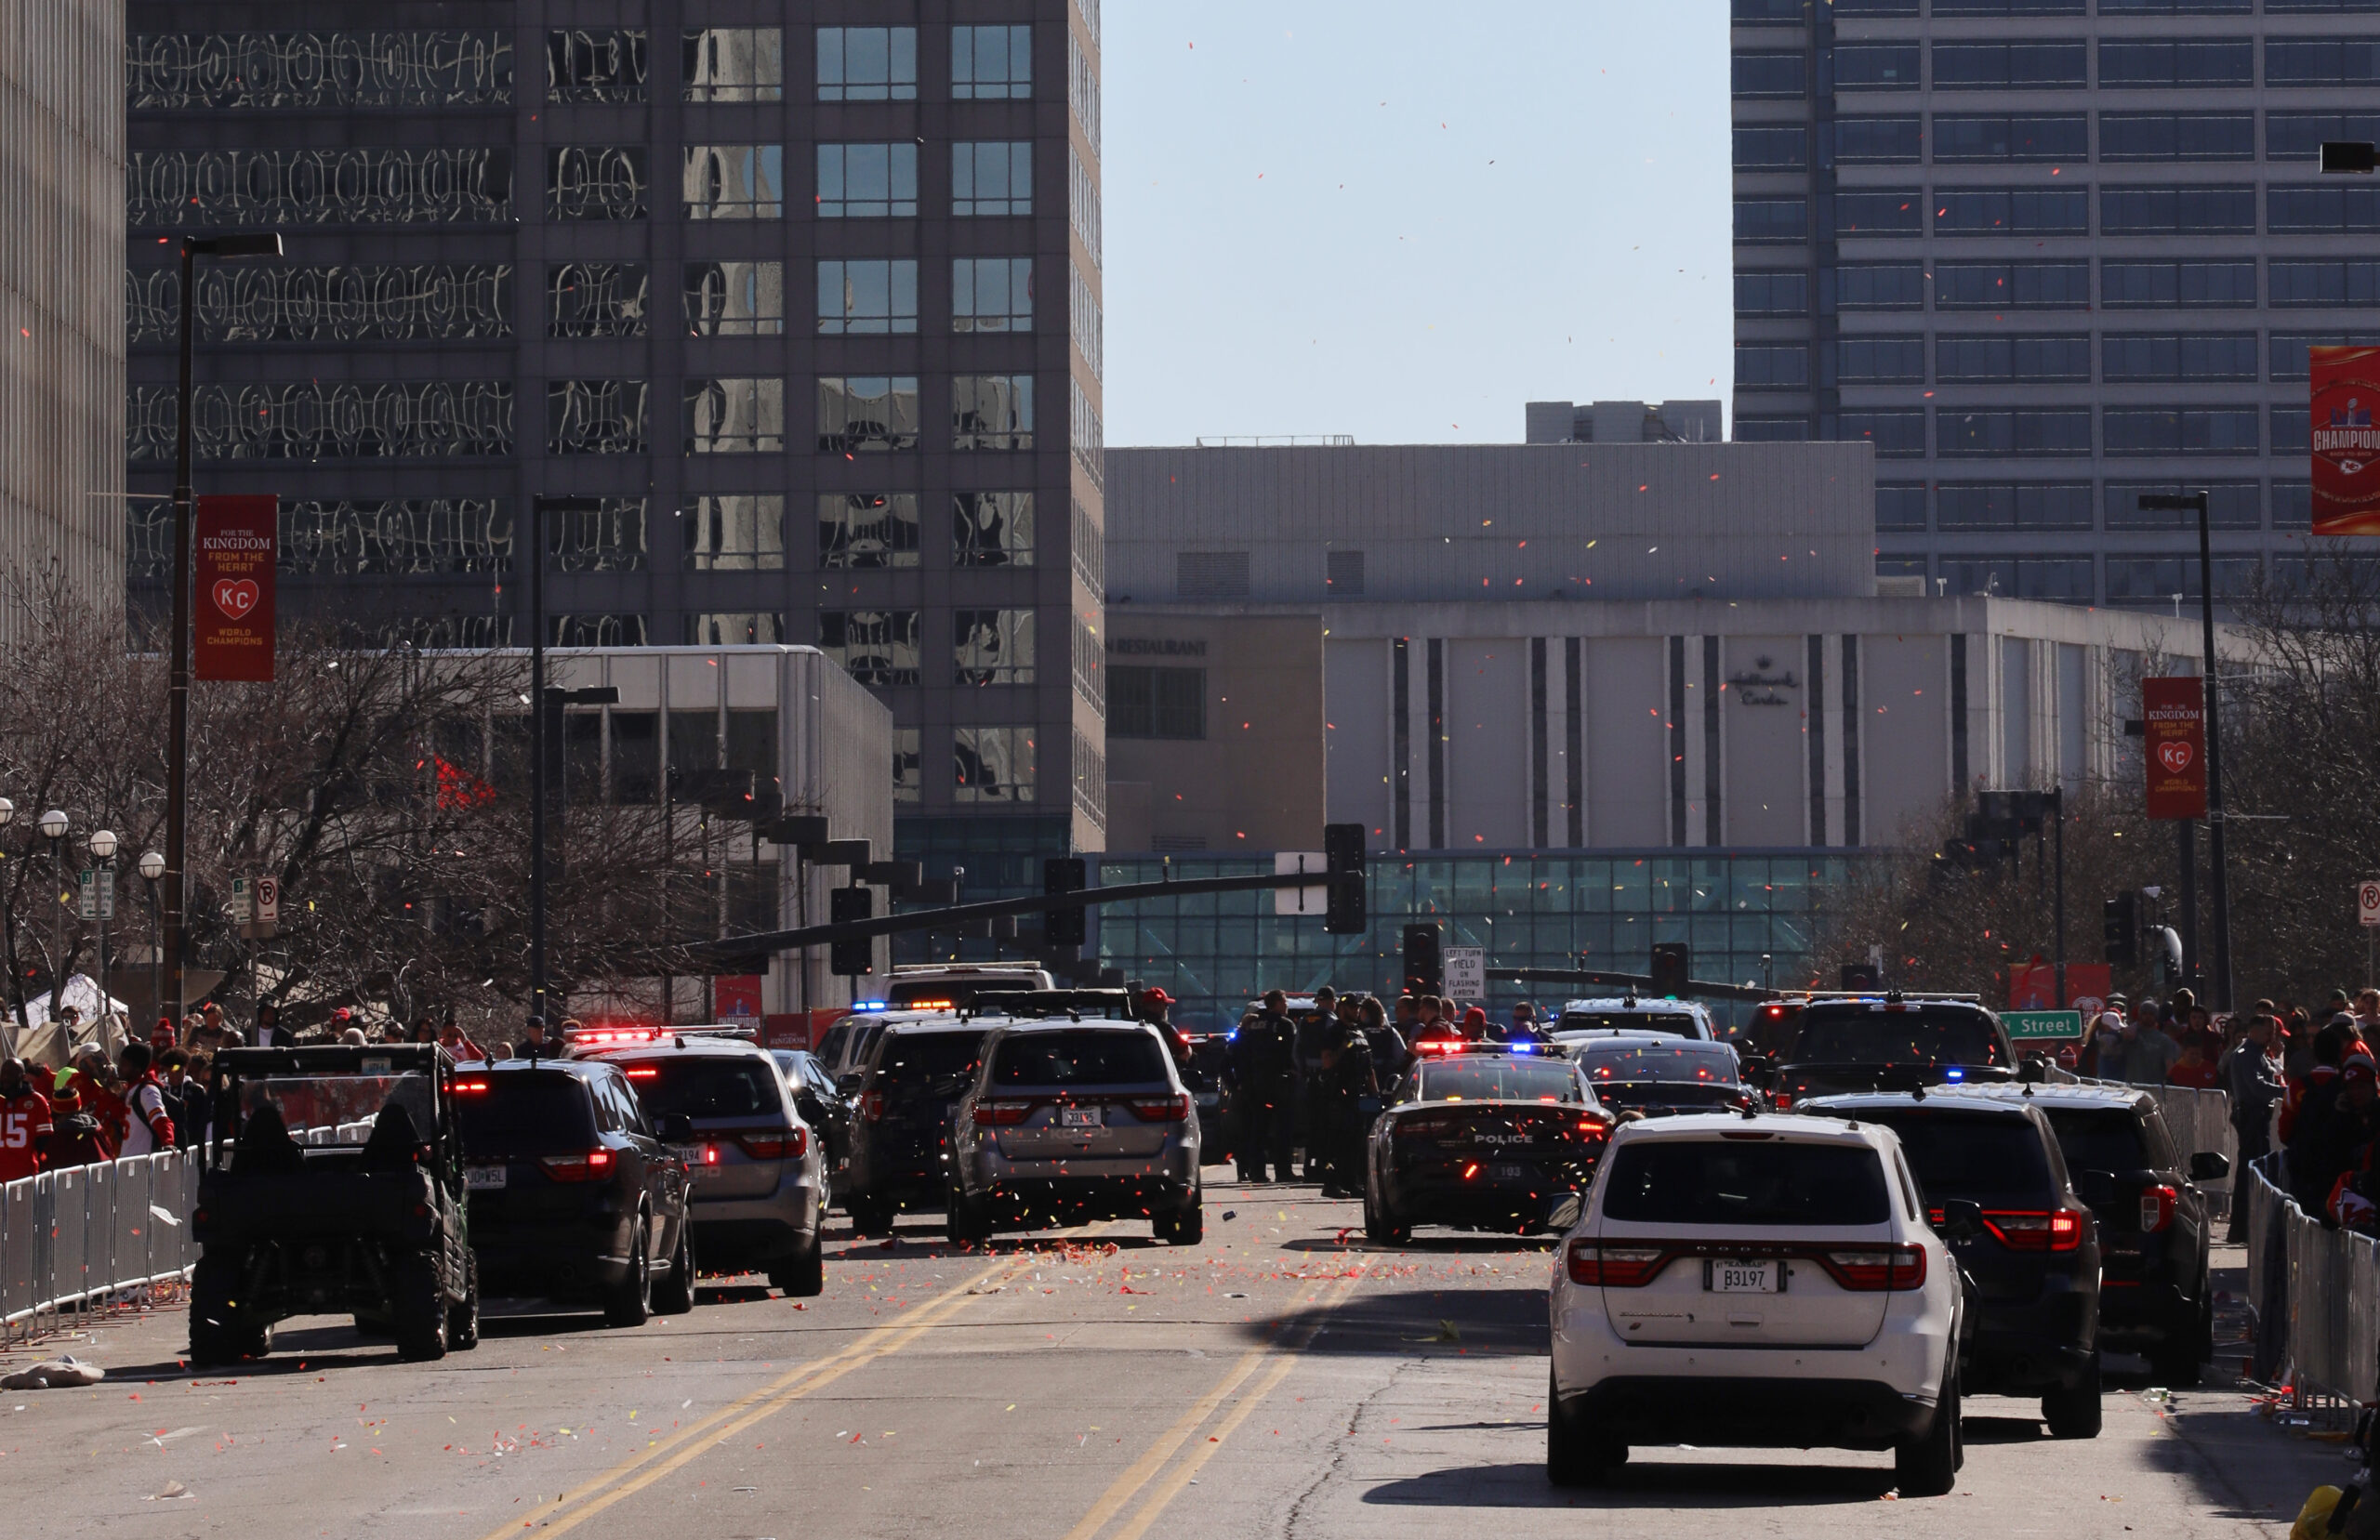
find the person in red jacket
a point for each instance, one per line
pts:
(151, 1129)
(75, 1137)
(24, 1122)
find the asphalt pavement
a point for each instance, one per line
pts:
(1282, 1379)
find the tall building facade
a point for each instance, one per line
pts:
(805, 297)
(2049, 255)
(62, 382)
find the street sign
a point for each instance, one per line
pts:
(2035, 1026)
(267, 897)
(95, 898)
(1301, 901)
(2367, 902)
(241, 907)
(1466, 972)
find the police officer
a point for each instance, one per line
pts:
(1315, 1030)
(1263, 1072)
(1343, 1078)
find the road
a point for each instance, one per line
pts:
(1282, 1379)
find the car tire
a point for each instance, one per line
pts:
(2075, 1411)
(1184, 1227)
(1379, 1227)
(674, 1294)
(1928, 1467)
(463, 1317)
(870, 1218)
(803, 1274)
(1577, 1452)
(964, 1221)
(2175, 1360)
(631, 1299)
(419, 1313)
(216, 1335)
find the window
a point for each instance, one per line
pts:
(1776, 365)
(734, 63)
(1759, 220)
(1875, 8)
(636, 757)
(1876, 142)
(2321, 210)
(2181, 7)
(1768, 149)
(2156, 580)
(598, 631)
(1769, 76)
(1880, 361)
(991, 410)
(2326, 281)
(229, 71)
(2322, 61)
(2178, 210)
(908, 777)
(603, 64)
(861, 530)
(1082, 90)
(991, 293)
(991, 177)
(2065, 136)
(337, 186)
(991, 63)
(867, 181)
(2012, 211)
(2014, 430)
(866, 297)
(992, 647)
(2138, 357)
(1771, 13)
(1994, 358)
(876, 647)
(2183, 430)
(2153, 285)
(736, 534)
(1086, 435)
(606, 538)
(1772, 294)
(739, 629)
(1896, 434)
(2289, 349)
(596, 298)
(1963, 506)
(2177, 136)
(867, 64)
(1155, 703)
(866, 413)
(1876, 67)
(734, 416)
(595, 181)
(2009, 7)
(992, 764)
(327, 419)
(2007, 66)
(2293, 504)
(733, 181)
(2231, 505)
(991, 529)
(595, 416)
(361, 302)
(1752, 429)
(735, 298)
(1342, 574)
(2019, 285)
(1880, 287)
(2299, 136)
(1900, 506)
(1881, 212)
(2292, 430)
(2141, 64)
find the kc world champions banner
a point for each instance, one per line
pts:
(231, 587)
(2346, 444)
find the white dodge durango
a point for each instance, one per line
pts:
(1761, 1281)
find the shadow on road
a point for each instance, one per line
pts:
(1422, 1322)
(1351, 1243)
(1675, 1485)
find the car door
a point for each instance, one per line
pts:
(663, 1178)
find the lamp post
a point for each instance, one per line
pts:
(102, 846)
(538, 708)
(223, 248)
(53, 827)
(2198, 502)
(8, 940)
(151, 866)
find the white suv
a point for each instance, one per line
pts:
(1754, 1282)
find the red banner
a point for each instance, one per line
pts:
(2033, 986)
(2345, 444)
(736, 998)
(233, 539)
(2173, 746)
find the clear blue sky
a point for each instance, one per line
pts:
(1402, 221)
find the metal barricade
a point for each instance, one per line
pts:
(81, 1236)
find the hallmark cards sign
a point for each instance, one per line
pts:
(2346, 443)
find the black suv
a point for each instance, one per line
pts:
(1995, 1186)
(1891, 1043)
(575, 1195)
(912, 1079)
(2154, 1226)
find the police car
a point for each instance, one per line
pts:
(1482, 1136)
(1635, 1015)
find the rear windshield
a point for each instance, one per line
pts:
(1683, 1062)
(928, 1064)
(830, 1044)
(1080, 1059)
(1499, 1080)
(1762, 1182)
(1627, 1020)
(523, 1112)
(1991, 1160)
(1864, 1036)
(706, 1087)
(2105, 1138)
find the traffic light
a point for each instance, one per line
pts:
(1064, 927)
(1424, 970)
(2120, 920)
(1859, 978)
(1342, 854)
(1671, 962)
(851, 958)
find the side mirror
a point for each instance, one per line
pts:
(848, 1085)
(1961, 1220)
(1566, 1211)
(2210, 1165)
(2097, 1189)
(807, 1104)
(677, 1129)
(2033, 1071)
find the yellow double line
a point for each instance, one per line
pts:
(1328, 1294)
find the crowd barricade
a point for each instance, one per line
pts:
(73, 1237)
(2316, 1294)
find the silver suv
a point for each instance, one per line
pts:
(1069, 1120)
(760, 1172)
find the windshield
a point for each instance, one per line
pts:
(928, 1064)
(1992, 1158)
(1666, 1093)
(338, 1108)
(1080, 1059)
(1763, 1182)
(1881, 1035)
(706, 1087)
(1686, 1062)
(523, 1113)
(2105, 1138)
(1668, 1023)
(1499, 1080)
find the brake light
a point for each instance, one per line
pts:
(1001, 1115)
(1160, 1109)
(871, 1106)
(774, 1146)
(470, 1087)
(1782, 1101)
(1596, 1264)
(2156, 1208)
(646, 1073)
(710, 1154)
(1881, 1269)
(594, 1165)
(2020, 1229)
(1470, 1170)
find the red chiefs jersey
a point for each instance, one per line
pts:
(24, 1133)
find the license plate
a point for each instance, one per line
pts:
(1079, 1117)
(691, 1153)
(1508, 1173)
(1744, 1277)
(481, 1178)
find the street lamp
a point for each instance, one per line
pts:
(2198, 502)
(538, 708)
(228, 248)
(103, 848)
(53, 825)
(151, 866)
